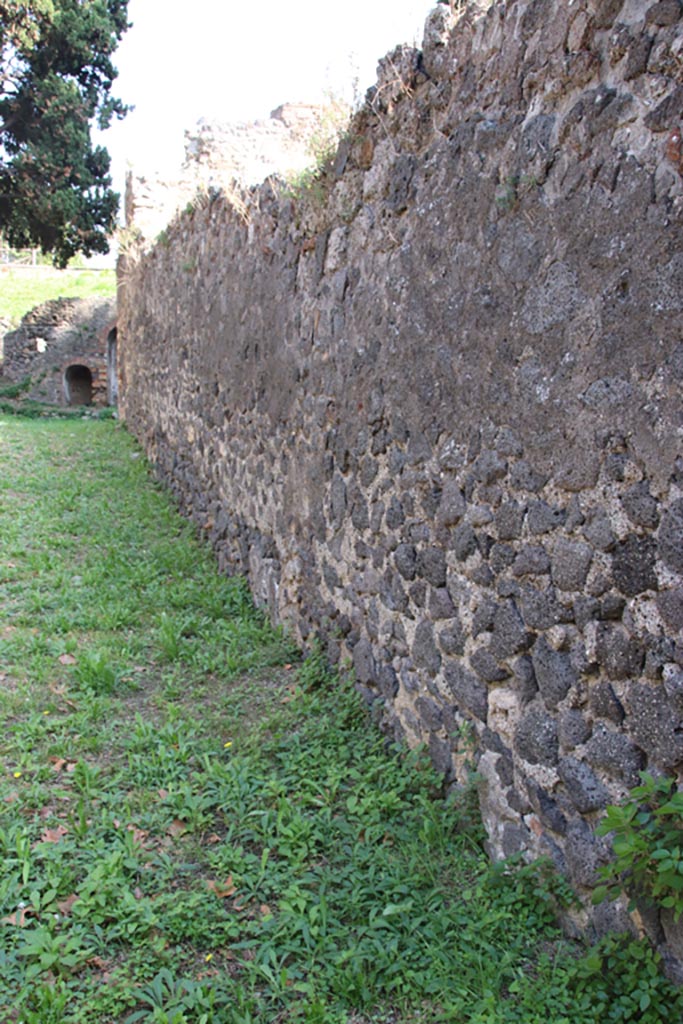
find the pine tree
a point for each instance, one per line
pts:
(56, 77)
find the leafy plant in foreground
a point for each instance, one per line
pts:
(647, 832)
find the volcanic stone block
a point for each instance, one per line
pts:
(605, 704)
(532, 560)
(555, 674)
(440, 604)
(634, 563)
(452, 638)
(583, 854)
(640, 506)
(584, 788)
(486, 666)
(549, 813)
(598, 531)
(542, 518)
(540, 609)
(430, 712)
(509, 634)
(425, 653)
(430, 564)
(620, 655)
(570, 565)
(536, 738)
(464, 542)
(509, 520)
(405, 559)
(524, 679)
(395, 516)
(469, 693)
(670, 606)
(654, 724)
(670, 543)
(364, 662)
(523, 477)
(573, 729)
(615, 754)
(452, 506)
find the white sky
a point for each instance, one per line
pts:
(187, 59)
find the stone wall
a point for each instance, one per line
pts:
(55, 338)
(433, 407)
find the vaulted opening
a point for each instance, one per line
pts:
(78, 385)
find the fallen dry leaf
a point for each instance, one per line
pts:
(64, 906)
(19, 917)
(212, 839)
(176, 828)
(66, 659)
(96, 961)
(222, 889)
(103, 966)
(54, 835)
(139, 834)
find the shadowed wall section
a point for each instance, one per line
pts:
(433, 408)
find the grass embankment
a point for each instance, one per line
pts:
(197, 827)
(22, 289)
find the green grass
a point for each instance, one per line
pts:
(196, 826)
(22, 289)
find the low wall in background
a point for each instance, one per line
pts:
(432, 408)
(64, 352)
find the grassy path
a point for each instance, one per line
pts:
(197, 827)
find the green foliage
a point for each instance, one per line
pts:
(15, 390)
(647, 841)
(620, 979)
(617, 980)
(56, 76)
(332, 123)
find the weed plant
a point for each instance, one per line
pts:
(197, 827)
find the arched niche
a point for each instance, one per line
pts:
(78, 385)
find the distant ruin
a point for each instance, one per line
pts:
(65, 352)
(220, 155)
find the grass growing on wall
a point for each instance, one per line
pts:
(196, 826)
(23, 288)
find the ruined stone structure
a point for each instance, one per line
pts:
(225, 156)
(433, 408)
(67, 348)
